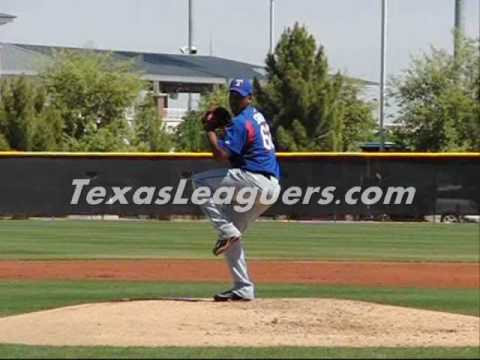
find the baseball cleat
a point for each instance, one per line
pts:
(229, 296)
(223, 245)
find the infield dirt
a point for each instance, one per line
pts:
(273, 322)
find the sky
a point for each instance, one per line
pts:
(239, 30)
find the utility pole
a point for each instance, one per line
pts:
(459, 25)
(272, 25)
(383, 67)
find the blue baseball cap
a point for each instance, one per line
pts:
(242, 86)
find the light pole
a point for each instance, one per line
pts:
(272, 24)
(190, 26)
(459, 25)
(4, 19)
(383, 74)
(191, 49)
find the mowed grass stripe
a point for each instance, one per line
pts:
(65, 239)
(26, 296)
(45, 352)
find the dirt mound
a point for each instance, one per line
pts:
(272, 322)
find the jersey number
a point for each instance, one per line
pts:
(265, 129)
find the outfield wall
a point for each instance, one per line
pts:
(314, 185)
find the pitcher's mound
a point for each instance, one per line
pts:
(294, 322)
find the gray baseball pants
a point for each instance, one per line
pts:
(230, 222)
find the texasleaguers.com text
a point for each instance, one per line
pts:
(243, 200)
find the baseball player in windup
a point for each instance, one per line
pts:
(248, 147)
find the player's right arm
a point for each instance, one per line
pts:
(219, 153)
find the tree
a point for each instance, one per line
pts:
(4, 145)
(47, 131)
(112, 137)
(150, 133)
(438, 100)
(79, 103)
(189, 135)
(92, 92)
(358, 121)
(26, 121)
(304, 102)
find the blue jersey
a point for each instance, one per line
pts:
(249, 142)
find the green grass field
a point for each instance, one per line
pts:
(45, 352)
(267, 240)
(27, 296)
(137, 239)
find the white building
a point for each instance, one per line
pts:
(172, 76)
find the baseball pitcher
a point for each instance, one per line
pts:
(248, 147)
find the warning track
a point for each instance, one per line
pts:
(421, 275)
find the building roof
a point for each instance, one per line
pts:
(175, 69)
(27, 59)
(7, 16)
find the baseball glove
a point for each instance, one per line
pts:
(217, 118)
